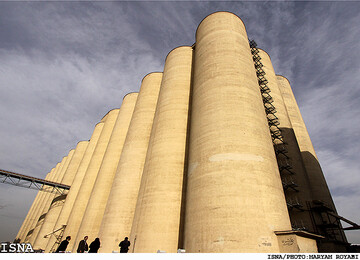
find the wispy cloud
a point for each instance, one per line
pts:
(3, 206)
(64, 65)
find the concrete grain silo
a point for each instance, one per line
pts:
(46, 226)
(30, 237)
(59, 200)
(74, 190)
(30, 216)
(294, 177)
(232, 172)
(212, 155)
(39, 209)
(87, 184)
(157, 217)
(96, 206)
(48, 220)
(322, 207)
(119, 211)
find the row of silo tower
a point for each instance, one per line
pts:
(189, 162)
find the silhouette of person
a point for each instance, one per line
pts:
(63, 245)
(83, 246)
(124, 245)
(94, 246)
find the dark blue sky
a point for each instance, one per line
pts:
(64, 65)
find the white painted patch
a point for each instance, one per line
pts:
(235, 157)
(192, 167)
(265, 242)
(220, 241)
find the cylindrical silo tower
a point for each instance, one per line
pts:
(26, 220)
(47, 223)
(294, 177)
(157, 217)
(87, 184)
(46, 203)
(96, 206)
(234, 199)
(320, 189)
(30, 216)
(321, 198)
(59, 200)
(40, 209)
(212, 155)
(71, 196)
(30, 212)
(119, 211)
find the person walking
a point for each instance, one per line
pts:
(124, 245)
(63, 245)
(83, 246)
(94, 246)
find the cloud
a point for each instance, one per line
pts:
(47, 92)
(64, 65)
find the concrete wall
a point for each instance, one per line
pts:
(75, 186)
(59, 200)
(234, 188)
(30, 216)
(96, 206)
(83, 196)
(30, 237)
(119, 211)
(189, 162)
(318, 185)
(302, 192)
(46, 226)
(157, 217)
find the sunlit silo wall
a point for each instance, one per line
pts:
(83, 196)
(157, 215)
(193, 162)
(119, 211)
(73, 192)
(31, 216)
(96, 206)
(232, 172)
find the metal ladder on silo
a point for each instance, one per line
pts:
(58, 237)
(283, 160)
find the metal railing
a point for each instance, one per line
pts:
(30, 182)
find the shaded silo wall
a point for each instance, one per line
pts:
(75, 186)
(87, 184)
(40, 209)
(96, 206)
(27, 217)
(319, 188)
(157, 217)
(119, 211)
(59, 200)
(234, 198)
(30, 216)
(46, 227)
(298, 218)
